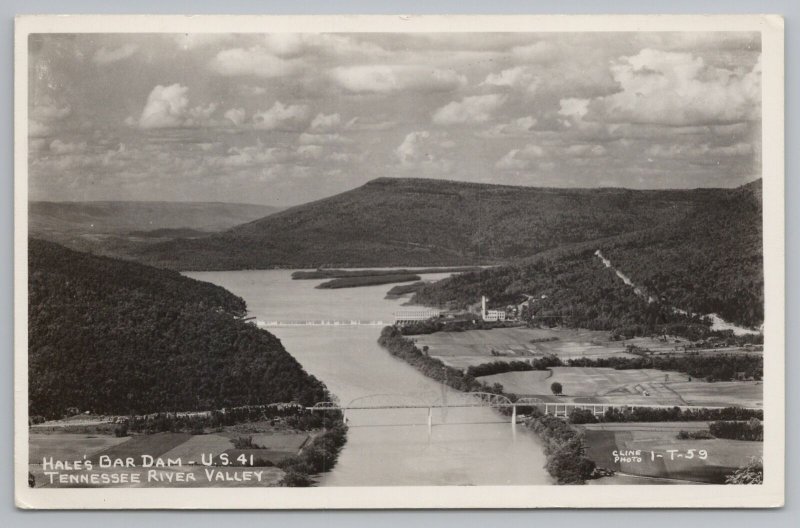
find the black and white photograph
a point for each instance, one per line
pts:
(310, 262)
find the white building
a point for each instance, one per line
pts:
(409, 316)
(491, 315)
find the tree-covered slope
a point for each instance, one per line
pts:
(417, 222)
(111, 336)
(707, 261)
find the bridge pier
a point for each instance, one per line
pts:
(430, 423)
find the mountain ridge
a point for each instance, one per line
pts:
(423, 222)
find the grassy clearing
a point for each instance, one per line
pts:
(514, 343)
(580, 381)
(641, 386)
(68, 446)
(724, 456)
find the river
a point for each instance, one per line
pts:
(467, 446)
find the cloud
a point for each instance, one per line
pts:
(236, 116)
(520, 159)
(539, 52)
(168, 107)
(44, 115)
(516, 127)
(382, 78)
(695, 151)
(473, 109)
(322, 139)
(325, 123)
(289, 45)
(60, 147)
(255, 61)
(573, 107)
(585, 151)
(416, 151)
(313, 152)
(107, 56)
(678, 89)
(279, 115)
(520, 77)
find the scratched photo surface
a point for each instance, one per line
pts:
(394, 259)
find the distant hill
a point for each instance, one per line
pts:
(707, 260)
(419, 222)
(116, 337)
(115, 227)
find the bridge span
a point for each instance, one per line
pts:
(484, 399)
(322, 322)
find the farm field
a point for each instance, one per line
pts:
(462, 349)
(582, 381)
(636, 386)
(724, 456)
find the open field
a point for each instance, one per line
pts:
(654, 439)
(462, 349)
(68, 446)
(637, 386)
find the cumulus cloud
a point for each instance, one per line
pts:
(322, 139)
(383, 78)
(678, 89)
(418, 151)
(290, 45)
(520, 77)
(521, 159)
(313, 152)
(573, 107)
(584, 151)
(256, 61)
(236, 116)
(538, 52)
(473, 109)
(325, 123)
(168, 107)
(44, 115)
(516, 127)
(107, 56)
(280, 115)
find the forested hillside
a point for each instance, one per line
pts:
(110, 336)
(708, 261)
(417, 222)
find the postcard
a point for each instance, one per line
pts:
(310, 262)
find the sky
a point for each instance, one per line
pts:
(283, 119)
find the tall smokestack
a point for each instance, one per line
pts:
(483, 306)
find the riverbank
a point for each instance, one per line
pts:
(573, 453)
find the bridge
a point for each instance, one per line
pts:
(483, 399)
(322, 322)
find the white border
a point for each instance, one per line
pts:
(771, 494)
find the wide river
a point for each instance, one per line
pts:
(467, 446)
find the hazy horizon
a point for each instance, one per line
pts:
(285, 119)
